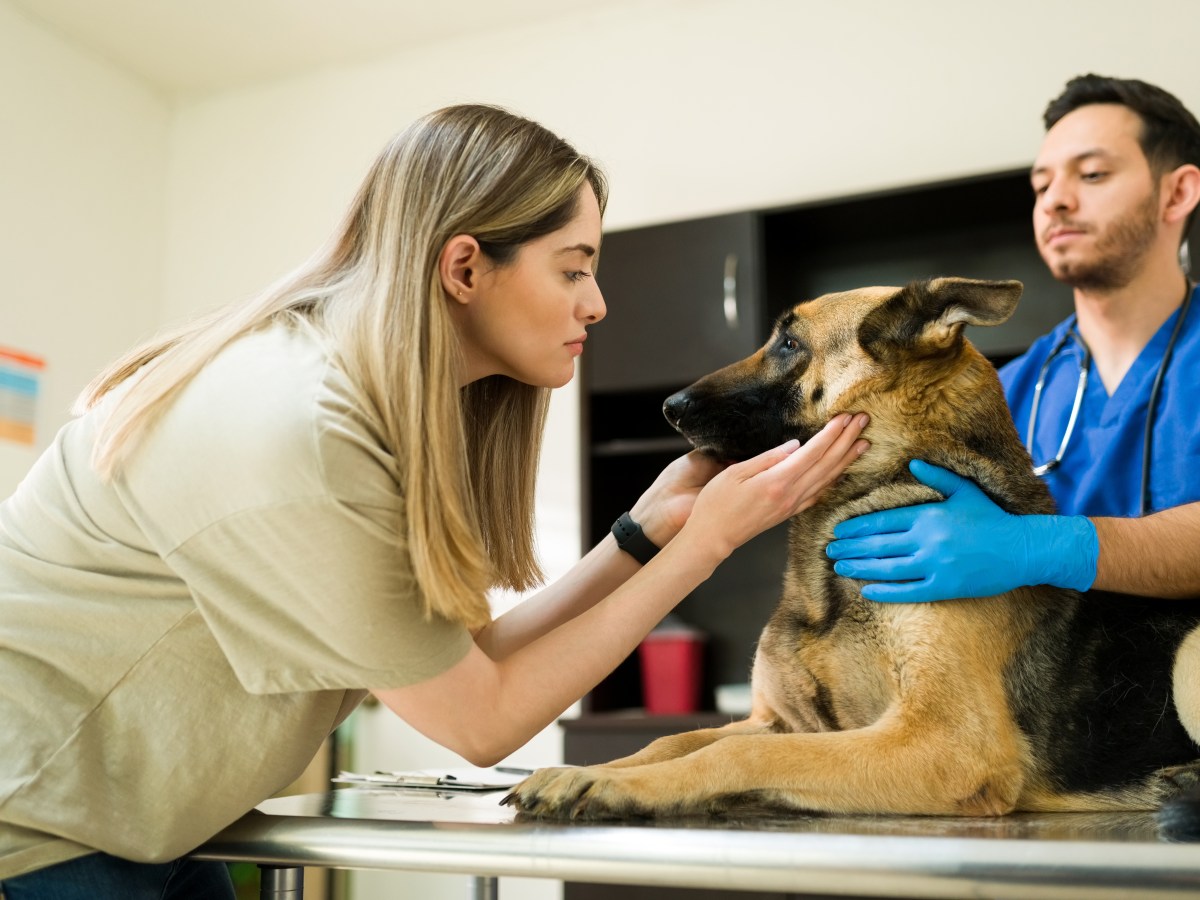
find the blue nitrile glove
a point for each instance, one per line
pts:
(963, 546)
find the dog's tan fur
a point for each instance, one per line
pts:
(953, 708)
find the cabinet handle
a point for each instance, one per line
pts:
(730, 283)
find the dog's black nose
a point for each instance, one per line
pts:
(675, 407)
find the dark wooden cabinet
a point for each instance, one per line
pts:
(683, 299)
(977, 227)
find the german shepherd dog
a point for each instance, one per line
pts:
(1041, 699)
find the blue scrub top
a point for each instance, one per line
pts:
(1101, 470)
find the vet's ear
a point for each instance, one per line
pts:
(930, 315)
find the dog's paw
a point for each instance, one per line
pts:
(592, 792)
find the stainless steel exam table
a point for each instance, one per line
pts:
(1064, 855)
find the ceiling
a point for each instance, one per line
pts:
(189, 47)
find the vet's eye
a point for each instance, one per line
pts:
(578, 276)
(1093, 177)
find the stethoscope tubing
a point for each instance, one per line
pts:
(1084, 368)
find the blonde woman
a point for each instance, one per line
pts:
(260, 518)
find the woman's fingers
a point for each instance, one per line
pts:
(839, 443)
(826, 457)
(761, 492)
(765, 461)
(667, 503)
(840, 431)
(833, 448)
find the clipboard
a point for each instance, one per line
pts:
(479, 780)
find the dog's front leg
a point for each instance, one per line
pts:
(884, 768)
(674, 746)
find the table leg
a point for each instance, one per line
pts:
(486, 888)
(280, 882)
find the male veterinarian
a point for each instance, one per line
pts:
(1105, 401)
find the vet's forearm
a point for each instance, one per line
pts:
(1156, 556)
(590, 580)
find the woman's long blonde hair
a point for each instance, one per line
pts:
(465, 459)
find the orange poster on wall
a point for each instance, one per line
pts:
(20, 376)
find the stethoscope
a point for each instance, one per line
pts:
(1085, 366)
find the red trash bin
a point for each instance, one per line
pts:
(672, 659)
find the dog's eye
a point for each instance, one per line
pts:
(788, 346)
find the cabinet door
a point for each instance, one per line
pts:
(683, 300)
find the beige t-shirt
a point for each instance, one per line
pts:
(175, 645)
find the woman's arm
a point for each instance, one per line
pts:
(593, 578)
(483, 708)
(661, 511)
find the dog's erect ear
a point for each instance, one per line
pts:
(932, 313)
(971, 302)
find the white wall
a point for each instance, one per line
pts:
(82, 181)
(693, 106)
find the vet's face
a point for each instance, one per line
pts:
(1097, 204)
(807, 371)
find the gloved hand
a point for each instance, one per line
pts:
(963, 546)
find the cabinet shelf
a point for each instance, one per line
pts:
(638, 446)
(636, 720)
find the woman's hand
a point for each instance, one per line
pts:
(749, 497)
(667, 503)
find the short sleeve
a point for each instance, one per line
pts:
(315, 594)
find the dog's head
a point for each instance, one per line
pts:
(880, 350)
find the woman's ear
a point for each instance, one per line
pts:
(458, 266)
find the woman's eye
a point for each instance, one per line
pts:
(578, 276)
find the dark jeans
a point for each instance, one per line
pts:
(103, 877)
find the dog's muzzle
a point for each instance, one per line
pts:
(728, 426)
(675, 409)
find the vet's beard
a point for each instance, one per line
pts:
(1118, 257)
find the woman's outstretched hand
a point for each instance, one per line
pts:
(665, 506)
(749, 497)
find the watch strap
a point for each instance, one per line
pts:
(633, 540)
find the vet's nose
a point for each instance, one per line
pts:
(675, 407)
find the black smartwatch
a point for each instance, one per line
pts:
(633, 540)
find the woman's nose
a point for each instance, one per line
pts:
(594, 307)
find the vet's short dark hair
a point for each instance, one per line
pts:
(1170, 135)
